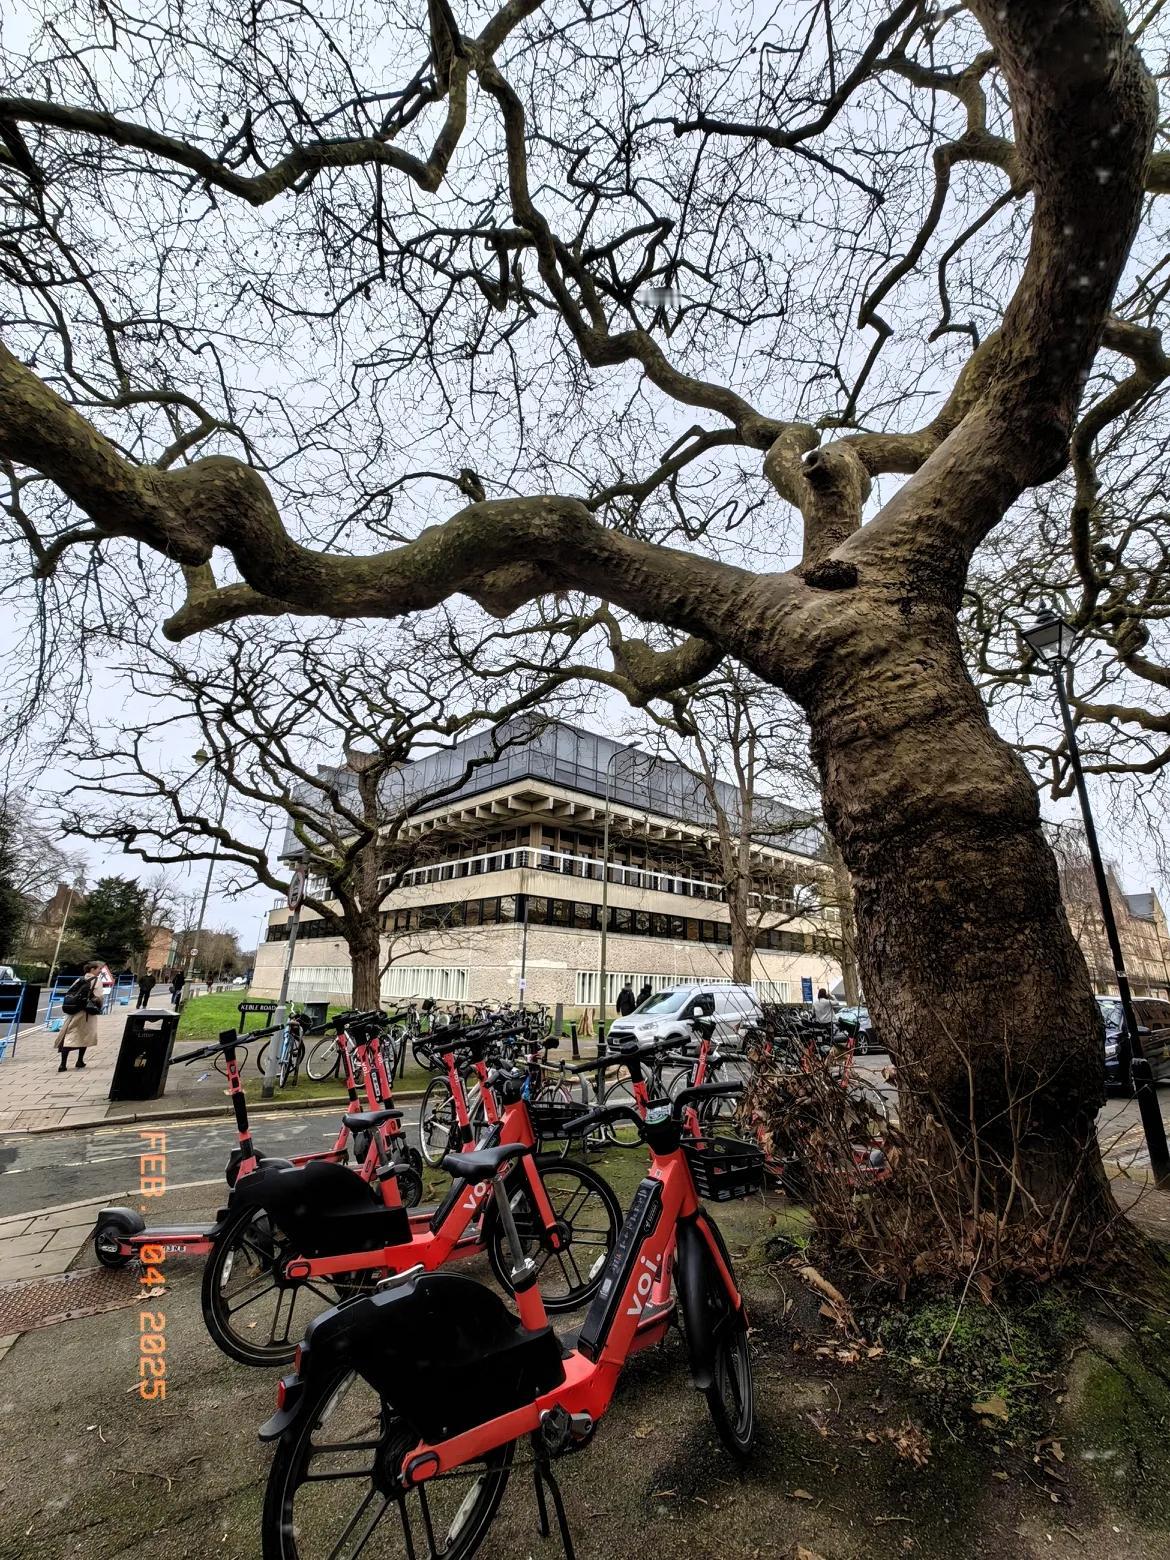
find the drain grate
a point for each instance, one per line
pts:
(39, 1302)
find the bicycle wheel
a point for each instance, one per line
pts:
(323, 1060)
(625, 1133)
(333, 1485)
(731, 1399)
(290, 1062)
(252, 1313)
(590, 1219)
(437, 1130)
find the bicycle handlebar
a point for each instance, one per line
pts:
(603, 1113)
(703, 1091)
(594, 1118)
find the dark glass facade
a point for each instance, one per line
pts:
(572, 915)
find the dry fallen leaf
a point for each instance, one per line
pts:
(799, 1495)
(911, 1443)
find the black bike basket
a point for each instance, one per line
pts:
(551, 1117)
(724, 1168)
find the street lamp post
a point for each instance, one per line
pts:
(1050, 639)
(203, 757)
(627, 747)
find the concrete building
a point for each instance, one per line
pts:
(504, 896)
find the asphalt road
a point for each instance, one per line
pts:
(1119, 1124)
(44, 1170)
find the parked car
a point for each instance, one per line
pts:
(7, 973)
(857, 1018)
(663, 1016)
(1153, 1019)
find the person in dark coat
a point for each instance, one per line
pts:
(626, 1002)
(177, 983)
(645, 994)
(146, 984)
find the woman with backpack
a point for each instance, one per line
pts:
(81, 1004)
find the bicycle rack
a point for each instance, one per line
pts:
(54, 1020)
(10, 1022)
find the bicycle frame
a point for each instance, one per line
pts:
(116, 1226)
(455, 1226)
(631, 1314)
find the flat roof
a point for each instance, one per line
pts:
(538, 748)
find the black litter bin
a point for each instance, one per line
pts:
(144, 1055)
(29, 1004)
(315, 1014)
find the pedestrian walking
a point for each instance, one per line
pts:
(81, 1005)
(626, 1001)
(146, 984)
(177, 983)
(645, 994)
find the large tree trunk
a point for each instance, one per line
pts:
(968, 963)
(743, 931)
(365, 953)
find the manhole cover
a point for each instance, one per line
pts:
(39, 1302)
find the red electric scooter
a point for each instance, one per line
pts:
(121, 1234)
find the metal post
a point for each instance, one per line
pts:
(1135, 1068)
(60, 938)
(272, 1060)
(523, 948)
(207, 884)
(613, 758)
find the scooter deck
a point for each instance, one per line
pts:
(160, 1234)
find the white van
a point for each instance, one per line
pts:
(664, 1016)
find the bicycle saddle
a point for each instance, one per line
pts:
(324, 1209)
(482, 1163)
(367, 1120)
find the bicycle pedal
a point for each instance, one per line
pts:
(561, 1431)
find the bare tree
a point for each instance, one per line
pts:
(564, 243)
(316, 732)
(743, 742)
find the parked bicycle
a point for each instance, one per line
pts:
(408, 1405)
(299, 1237)
(291, 1048)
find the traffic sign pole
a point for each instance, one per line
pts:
(296, 895)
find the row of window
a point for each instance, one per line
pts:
(539, 910)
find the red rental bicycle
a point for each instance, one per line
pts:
(121, 1234)
(296, 1234)
(398, 1427)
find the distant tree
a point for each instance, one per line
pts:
(747, 747)
(13, 906)
(113, 919)
(220, 956)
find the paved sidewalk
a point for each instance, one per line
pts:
(34, 1096)
(44, 1244)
